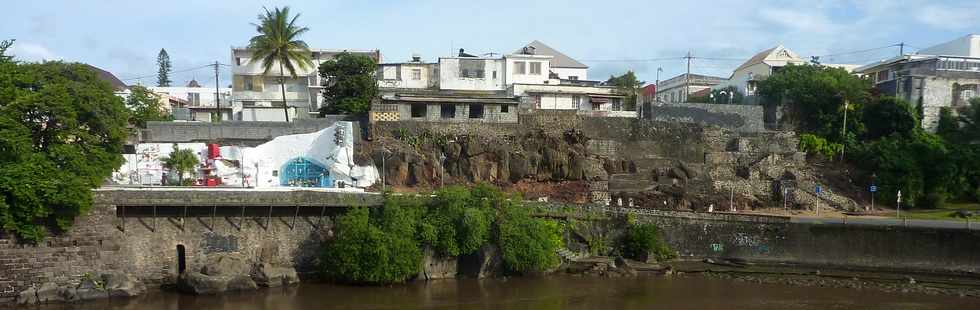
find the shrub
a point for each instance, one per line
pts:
(932, 200)
(457, 221)
(642, 240)
(812, 144)
(377, 250)
(527, 244)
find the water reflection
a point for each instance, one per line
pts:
(545, 293)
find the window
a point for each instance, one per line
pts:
(294, 87)
(519, 67)
(447, 111)
(248, 103)
(536, 99)
(494, 74)
(390, 73)
(573, 77)
(476, 111)
(416, 74)
(504, 108)
(249, 84)
(535, 68)
(577, 100)
(238, 61)
(471, 68)
(418, 110)
(617, 104)
(194, 99)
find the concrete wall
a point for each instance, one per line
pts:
(492, 113)
(526, 77)
(249, 133)
(743, 118)
(775, 239)
(449, 75)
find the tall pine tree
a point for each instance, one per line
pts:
(163, 74)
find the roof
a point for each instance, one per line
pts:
(559, 61)
(649, 90)
(110, 78)
(762, 56)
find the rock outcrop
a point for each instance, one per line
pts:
(108, 285)
(435, 266)
(229, 272)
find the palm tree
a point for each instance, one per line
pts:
(278, 43)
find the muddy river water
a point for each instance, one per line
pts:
(559, 292)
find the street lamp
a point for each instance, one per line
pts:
(442, 167)
(384, 171)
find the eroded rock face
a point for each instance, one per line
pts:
(435, 266)
(201, 284)
(485, 263)
(225, 265)
(267, 275)
(122, 285)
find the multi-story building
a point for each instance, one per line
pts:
(679, 88)
(746, 77)
(196, 103)
(469, 88)
(259, 93)
(943, 76)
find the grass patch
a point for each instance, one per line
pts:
(947, 212)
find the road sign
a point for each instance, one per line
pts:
(818, 188)
(874, 188)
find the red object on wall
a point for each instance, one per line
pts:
(214, 182)
(213, 151)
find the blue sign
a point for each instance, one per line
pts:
(874, 188)
(818, 188)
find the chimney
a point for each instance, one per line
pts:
(461, 53)
(416, 58)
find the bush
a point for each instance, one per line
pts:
(933, 200)
(457, 221)
(643, 240)
(527, 244)
(812, 144)
(373, 250)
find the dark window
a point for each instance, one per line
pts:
(181, 259)
(471, 68)
(476, 111)
(418, 110)
(504, 108)
(447, 110)
(238, 61)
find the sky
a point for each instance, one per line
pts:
(610, 36)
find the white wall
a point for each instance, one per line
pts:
(205, 94)
(449, 75)
(266, 114)
(564, 73)
(514, 77)
(391, 78)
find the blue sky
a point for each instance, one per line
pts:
(125, 36)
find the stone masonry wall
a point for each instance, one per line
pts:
(743, 118)
(251, 133)
(108, 238)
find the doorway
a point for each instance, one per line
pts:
(181, 259)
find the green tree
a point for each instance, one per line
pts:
(643, 240)
(145, 106)
(458, 220)
(889, 115)
(351, 84)
(182, 161)
(628, 85)
(4, 45)
(61, 134)
(377, 249)
(163, 69)
(949, 125)
(816, 96)
(278, 43)
(527, 244)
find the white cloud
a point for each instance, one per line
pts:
(948, 17)
(32, 52)
(798, 20)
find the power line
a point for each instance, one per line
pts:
(634, 60)
(175, 71)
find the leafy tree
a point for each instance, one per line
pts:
(351, 84)
(948, 126)
(164, 68)
(526, 243)
(278, 43)
(374, 250)
(4, 45)
(61, 134)
(916, 164)
(970, 118)
(814, 145)
(642, 240)
(816, 96)
(627, 84)
(145, 106)
(457, 221)
(182, 161)
(889, 115)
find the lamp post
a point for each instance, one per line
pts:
(843, 129)
(442, 167)
(657, 84)
(384, 171)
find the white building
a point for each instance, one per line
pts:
(746, 77)
(414, 74)
(678, 88)
(197, 103)
(562, 66)
(256, 90)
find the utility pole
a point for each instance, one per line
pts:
(843, 131)
(901, 49)
(656, 94)
(217, 85)
(687, 78)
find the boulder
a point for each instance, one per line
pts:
(122, 285)
(28, 296)
(242, 283)
(90, 289)
(68, 293)
(48, 292)
(435, 266)
(267, 275)
(198, 283)
(225, 265)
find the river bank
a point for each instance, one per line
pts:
(684, 291)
